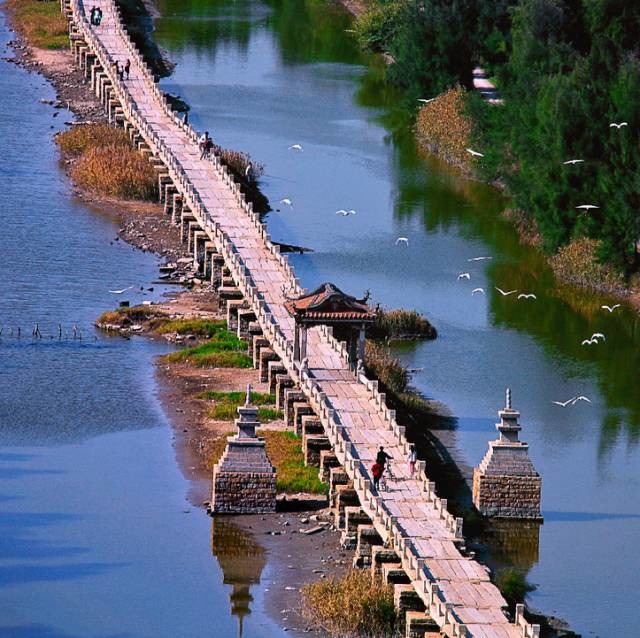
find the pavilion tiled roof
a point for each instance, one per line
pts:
(327, 302)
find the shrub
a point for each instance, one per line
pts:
(116, 171)
(401, 324)
(377, 26)
(126, 316)
(443, 128)
(40, 23)
(513, 585)
(352, 606)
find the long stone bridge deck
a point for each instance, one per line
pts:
(409, 517)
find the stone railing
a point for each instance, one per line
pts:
(438, 607)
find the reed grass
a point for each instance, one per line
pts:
(285, 452)
(41, 24)
(386, 368)
(444, 128)
(116, 171)
(79, 139)
(353, 606)
(401, 324)
(124, 317)
(513, 585)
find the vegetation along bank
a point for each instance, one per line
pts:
(569, 75)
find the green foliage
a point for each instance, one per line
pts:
(226, 405)
(198, 327)
(223, 350)
(513, 585)
(40, 23)
(377, 27)
(401, 324)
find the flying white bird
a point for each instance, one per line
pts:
(474, 153)
(564, 404)
(248, 169)
(295, 147)
(479, 258)
(526, 295)
(119, 292)
(464, 275)
(618, 125)
(504, 293)
(402, 240)
(425, 101)
(475, 290)
(598, 335)
(287, 202)
(610, 308)
(581, 398)
(587, 206)
(574, 161)
(345, 213)
(589, 342)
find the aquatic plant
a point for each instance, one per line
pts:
(513, 585)
(40, 23)
(385, 367)
(81, 138)
(353, 606)
(401, 324)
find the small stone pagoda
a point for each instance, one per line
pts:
(244, 481)
(505, 484)
(328, 305)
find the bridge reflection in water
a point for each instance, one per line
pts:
(241, 560)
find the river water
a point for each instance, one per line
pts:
(96, 536)
(264, 75)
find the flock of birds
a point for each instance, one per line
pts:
(595, 338)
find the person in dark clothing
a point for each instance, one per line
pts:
(127, 68)
(92, 15)
(98, 18)
(382, 457)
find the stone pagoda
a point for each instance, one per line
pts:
(244, 481)
(505, 484)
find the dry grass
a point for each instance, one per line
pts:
(525, 225)
(401, 324)
(577, 263)
(353, 606)
(125, 317)
(285, 452)
(116, 171)
(386, 368)
(79, 139)
(444, 129)
(40, 23)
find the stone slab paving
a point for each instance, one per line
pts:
(456, 590)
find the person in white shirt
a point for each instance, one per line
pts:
(412, 457)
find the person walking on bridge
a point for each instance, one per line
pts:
(206, 144)
(127, 68)
(382, 457)
(412, 457)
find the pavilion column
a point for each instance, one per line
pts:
(296, 343)
(303, 342)
(361, 341)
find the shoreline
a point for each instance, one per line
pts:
(141, 226)
(625, 293)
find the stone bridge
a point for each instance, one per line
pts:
(351, 416)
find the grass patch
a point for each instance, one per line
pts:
(224, 350)
(199, 327)
(257, 398)
(352, 606)
(226, 405)
(41, 24)
(285, 452)
(401, 324)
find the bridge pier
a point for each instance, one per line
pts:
(313, 445)
(233, 307)
(328, 461)
(283, 383)
(300, 409)
(366, 537)
(275, 368)
(245, 317)
(266, 355)
(291, 396)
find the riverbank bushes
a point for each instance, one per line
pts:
(105, 162)
(566, 69)
(41, 24)
(352, 606)
(513, 585)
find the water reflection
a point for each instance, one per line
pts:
(514, 543)
(241, 560)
